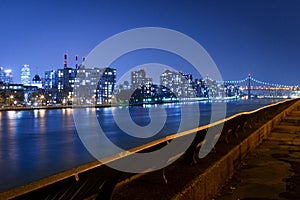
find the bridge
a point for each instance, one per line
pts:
(187, 178)
(260, 88)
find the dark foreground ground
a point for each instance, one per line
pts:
(273, 170)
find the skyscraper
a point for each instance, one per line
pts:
(2, 74)
(25, 75)
(138, 79)
(8, 77)
(50, 80)
(106, 85)
(65, 84)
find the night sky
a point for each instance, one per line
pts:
(261, 37)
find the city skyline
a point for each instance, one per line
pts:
(257, 37)
(153, 71)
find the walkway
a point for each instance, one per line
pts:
(273, 170)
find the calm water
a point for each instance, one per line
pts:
(39, 143)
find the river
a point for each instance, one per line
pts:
(39, 143)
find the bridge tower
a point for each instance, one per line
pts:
(249, 86)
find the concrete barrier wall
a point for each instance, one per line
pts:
(207, 185)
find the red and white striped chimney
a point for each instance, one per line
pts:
(65, 60)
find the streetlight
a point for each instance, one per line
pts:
(11, 100)
(42, 99)
(70, 100)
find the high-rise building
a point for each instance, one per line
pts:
(60, 84)
(106, 86)
(65, 84)
(178, 83)
(172, 81)
(25, 75)
(95, 85)
(6, 75)
(50, 83)
(138, 79)
(50, 80)
(2, 74)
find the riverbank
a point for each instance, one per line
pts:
(52, 107)
(8, 108)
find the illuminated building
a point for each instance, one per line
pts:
(65, 84)
(178, 83)
(60, 84)
(95, 85)
(2, 74)
(50, 79)
(11, 94)
(106, 86)
(138, 79)
(6, 75)
(25, 75)
(50, 84)
(36, 81)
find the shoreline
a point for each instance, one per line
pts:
(14, 108)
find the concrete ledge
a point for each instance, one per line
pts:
(207, 185)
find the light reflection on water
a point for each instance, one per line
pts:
(38, 143)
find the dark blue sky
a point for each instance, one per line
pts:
(257, 36)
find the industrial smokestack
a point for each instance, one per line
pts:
(76, 63)
(65, 60)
